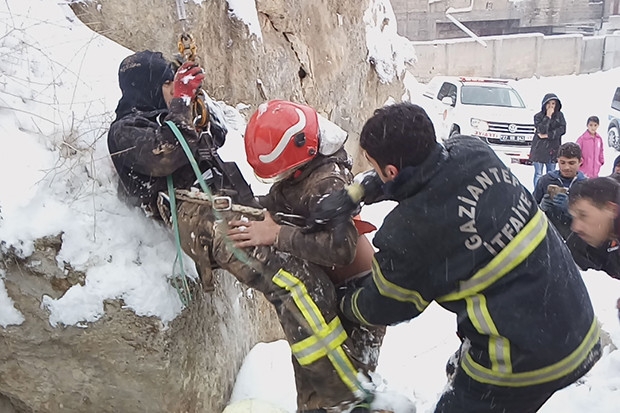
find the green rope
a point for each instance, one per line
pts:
(190, 157)
(183, 290)
(238, 253)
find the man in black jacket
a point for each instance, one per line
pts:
(595, 207)
(467, 234)
(143, 147)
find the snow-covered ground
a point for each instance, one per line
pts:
(58, 90)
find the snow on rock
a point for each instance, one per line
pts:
(388, 52)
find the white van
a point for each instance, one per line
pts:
(490, 109)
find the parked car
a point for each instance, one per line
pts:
(613, 134)
(490, 109)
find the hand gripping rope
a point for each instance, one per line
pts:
(189, 52)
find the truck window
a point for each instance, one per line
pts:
(447, 90)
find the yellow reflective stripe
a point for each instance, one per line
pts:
(320, 329)
(396, 292)
(356, 310)
(530, 378)
(304, 302)
(512, 255)
(316, 346)
(499, 347)
(345, 369)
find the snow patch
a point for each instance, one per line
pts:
(388, 52)
(9, 315)
(245, 11)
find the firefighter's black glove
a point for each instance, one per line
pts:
(348, 286)
(337, 206)
(372, 185)
(343, 204)
(351, 284)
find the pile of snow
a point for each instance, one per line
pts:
(388, 52)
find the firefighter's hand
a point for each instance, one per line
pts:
(187, 81)
(372, 185)
(348, 287)
(246, 233)
(336, 206)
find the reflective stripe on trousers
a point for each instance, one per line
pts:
(327, 338)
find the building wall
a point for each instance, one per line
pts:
(421, 20)
(516, 56)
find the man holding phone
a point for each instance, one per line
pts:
(551, 192)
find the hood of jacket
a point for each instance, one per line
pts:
(140, 77)
(556, 174)
(616, 162)
(547, 98)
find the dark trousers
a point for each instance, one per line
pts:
(469, 396)
(487, 399)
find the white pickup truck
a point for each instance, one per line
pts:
(613, 130)
(490, 109)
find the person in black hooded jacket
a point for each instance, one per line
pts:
(550, 126)
(468, 235)
(143, 148)
(616, 167)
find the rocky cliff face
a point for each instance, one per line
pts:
(122, 362)
(309, 51)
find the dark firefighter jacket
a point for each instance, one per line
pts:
(468, 235)
(299, 195)
(546, 150)
(145, 151)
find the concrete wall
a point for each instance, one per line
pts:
(592, 54)
(421, 20)
(611, 55)
(559, 55)
(517, 56)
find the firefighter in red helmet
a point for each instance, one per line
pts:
(295, 266)
(303, 155)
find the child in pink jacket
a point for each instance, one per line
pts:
(591, 146)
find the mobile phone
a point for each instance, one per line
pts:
(553, 190)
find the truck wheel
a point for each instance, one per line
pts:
(613, 137)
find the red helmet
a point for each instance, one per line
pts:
(280, 137)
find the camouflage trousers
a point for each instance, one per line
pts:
(331, 356)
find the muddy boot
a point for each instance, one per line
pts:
(196, 226)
